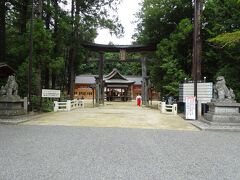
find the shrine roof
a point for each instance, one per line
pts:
(6, 70)
(115, 74)
(90, 79)
(115, 77)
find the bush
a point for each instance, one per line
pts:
(47, 104)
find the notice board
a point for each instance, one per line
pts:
(51, 93)
(190, 108)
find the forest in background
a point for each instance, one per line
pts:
(169, 24)
(57, 36)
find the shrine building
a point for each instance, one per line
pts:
(116, 87)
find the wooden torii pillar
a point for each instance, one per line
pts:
(145, 96)
(123, 49)
(97, 90)
(101, 82)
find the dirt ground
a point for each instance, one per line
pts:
(115, 114)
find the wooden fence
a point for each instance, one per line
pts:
(68, 105)
(167, 108)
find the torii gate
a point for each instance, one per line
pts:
(123, 49)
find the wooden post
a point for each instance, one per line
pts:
(174, 109)
(101, 82)
(97, 90)
(144, 82)
(68, 106)
(163, 107)
(93, 95)
(196, 63)
(30, 59)
(146, 91)
(55, 106)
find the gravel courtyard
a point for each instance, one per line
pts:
(117, 141)
(115, 114)
(65, 152)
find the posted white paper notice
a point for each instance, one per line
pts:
(51, 93)
(190, 109)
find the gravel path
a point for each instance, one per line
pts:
(115, 114)
(61, 152)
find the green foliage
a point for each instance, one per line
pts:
(22, 79)
(159, 18)
(168, 23)
(220, 16)
(169, 71)
(125, 68)
(111, 61)
(227, 39)
(17, 47)
(35, 102)
(89, 68)
(56, 32)
(221, 26)
(57, 65)
(163, 22)
(47, 104)
(96, 14)
(133, 68)
(43, 43)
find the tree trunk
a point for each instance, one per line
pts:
(71, 72)
(46, 77)
(39, 85)
(75, 27)
(2, 31)
(72, 55)
(40, 9)
(39, 64)
(55, 35)
(197, 46)
(23, 16)
(48, 15)
(47, 23)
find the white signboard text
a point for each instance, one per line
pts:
(50, 93)
(190, 107)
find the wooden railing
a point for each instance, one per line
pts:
(68, 105)
(167, 108)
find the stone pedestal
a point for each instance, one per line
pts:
(12, 106)
(223, 113)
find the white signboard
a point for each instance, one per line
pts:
(50, 93)
(204, 91)
(190, 107)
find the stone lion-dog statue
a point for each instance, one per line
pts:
(11, 88)
(221, 91)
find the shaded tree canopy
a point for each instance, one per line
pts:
(168, 23)
(57, 36)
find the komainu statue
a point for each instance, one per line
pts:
(221, 91)
(10, 90)
(11, 105)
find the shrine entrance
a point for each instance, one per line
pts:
(117, 93)
(119, 89)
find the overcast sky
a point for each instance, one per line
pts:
(126, 11)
